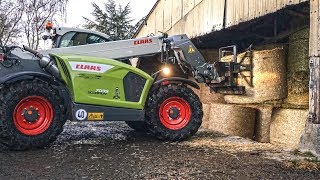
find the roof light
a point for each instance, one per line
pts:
(49, 25)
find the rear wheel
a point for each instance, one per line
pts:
(173, 112)
(32, 114)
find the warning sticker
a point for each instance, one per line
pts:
(191, 50)
(96, 116)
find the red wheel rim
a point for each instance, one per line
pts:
(181, 119)
(32, 105)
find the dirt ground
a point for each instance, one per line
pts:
(114, 151)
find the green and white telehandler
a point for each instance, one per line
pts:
(39, 91)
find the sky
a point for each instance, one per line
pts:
(78, 8)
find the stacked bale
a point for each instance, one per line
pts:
(278, 76)
(287, 127)
(269, 78)
(232, 120)
(298, 68)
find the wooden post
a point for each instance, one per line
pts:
(310, 140)
(314, 86)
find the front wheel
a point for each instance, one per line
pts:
(32, 114)
(173, 112)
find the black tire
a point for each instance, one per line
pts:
(17, 95)
(184, 94)
(139, 126)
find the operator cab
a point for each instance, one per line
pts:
(67, 37)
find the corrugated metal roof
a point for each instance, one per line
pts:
(238, 11)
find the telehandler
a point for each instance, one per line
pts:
(91, 83)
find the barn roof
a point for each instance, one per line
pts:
(199, 17)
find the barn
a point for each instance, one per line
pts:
(281, 105)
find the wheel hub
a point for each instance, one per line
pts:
(31, 114)
(174, 113)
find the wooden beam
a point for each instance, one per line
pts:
(296, 13)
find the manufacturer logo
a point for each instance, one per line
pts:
(89, 67)
(81, 114)
(142, 41)
(96, 116)
(99, 91)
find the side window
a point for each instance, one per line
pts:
(93, 39)
(77, 39)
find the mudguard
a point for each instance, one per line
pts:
(24, 69)
(177, 80)
(25, 76)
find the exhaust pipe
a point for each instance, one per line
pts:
(45, 62)
(48, 64)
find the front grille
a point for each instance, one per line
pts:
(64, 68)
(133, 86)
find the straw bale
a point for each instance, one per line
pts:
(269, 81)
(270, 47)
(232, 120)
(298, 68)
(263, 122)
(206, 113)
(287, 127)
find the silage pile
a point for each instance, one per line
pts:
(298, 68)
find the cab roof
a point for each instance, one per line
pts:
(63, 30)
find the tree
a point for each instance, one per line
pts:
(113, 21)
(10, 17)
(36, 14)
